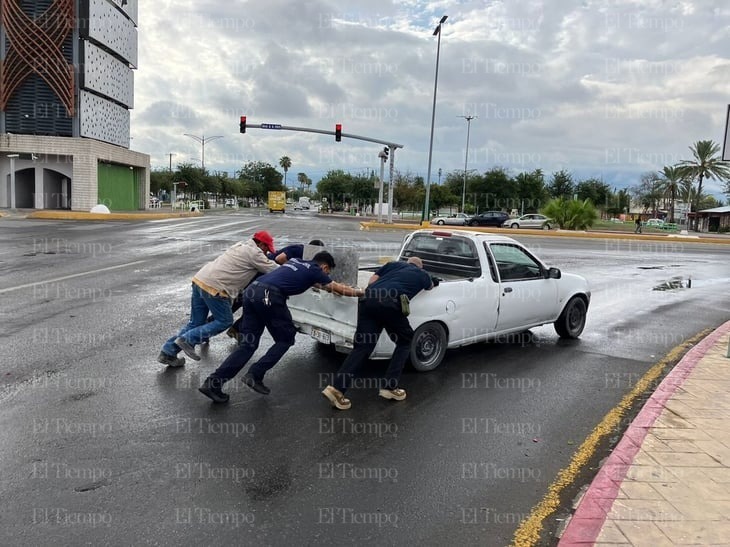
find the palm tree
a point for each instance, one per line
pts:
(302, 180)
(671, 182)
(705, 164)
(285, 163)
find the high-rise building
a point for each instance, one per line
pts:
(66, 88)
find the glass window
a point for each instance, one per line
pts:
(514, 263)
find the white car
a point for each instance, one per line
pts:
(654, 222)
(457, 219)
(540, 222)
(490, 286)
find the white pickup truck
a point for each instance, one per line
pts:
(490, 286)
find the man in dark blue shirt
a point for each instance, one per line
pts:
(382, 309)
(264, 306)
(292, 251)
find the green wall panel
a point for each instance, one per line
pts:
(118, 187)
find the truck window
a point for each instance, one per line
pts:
(448, 256)
(513, 263)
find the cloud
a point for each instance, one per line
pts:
(610, 88)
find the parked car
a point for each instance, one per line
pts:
(540, 222)
(489, 218)
(457, 219)
(654, 222)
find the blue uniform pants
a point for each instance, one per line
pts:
(263, 307)
(373, 315)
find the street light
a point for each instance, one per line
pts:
(202, 140)
(436, 32)
(12, 179)
(468, 119)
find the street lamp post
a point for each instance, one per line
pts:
(12, 179)
(468, 119)
(202, 140)
(437, 32)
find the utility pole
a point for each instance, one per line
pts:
(202, 140)
(171, 155)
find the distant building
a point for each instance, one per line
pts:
(66, 87)
(716, 219)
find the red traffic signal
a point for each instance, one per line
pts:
(243, 124)
(338, 132)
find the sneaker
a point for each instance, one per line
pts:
(213, 391)
(170, 360)
(256, 385)
(337, 398)
(396, 394)
(187, 348)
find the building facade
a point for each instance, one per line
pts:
(66, 89)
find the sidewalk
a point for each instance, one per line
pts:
(667, 482)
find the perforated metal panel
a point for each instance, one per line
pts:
(106, 75)
(103, 120)
(111, 28)
(129, 7)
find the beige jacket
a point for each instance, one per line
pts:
(234, 269)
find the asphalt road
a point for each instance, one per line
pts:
(102, 445)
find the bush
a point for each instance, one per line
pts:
(571, 214)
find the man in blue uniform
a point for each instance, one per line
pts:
(264, 306)
(282, 255)
(382, 309)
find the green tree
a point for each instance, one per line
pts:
(531, 191)
(441, 197)
(160, 179)
(261, 178)
(285, 162)
(336, 186)
(193, 177)
(561, 185)
(571, 214)
(705, 164)
(670, 183)
(597, 191)
(304, 181)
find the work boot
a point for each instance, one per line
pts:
(396, 394)
(170, 360)
(211, 388)
(337, 398)
(256, 385)
(187, 348)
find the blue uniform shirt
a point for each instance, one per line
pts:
(295, 276)
(396, 278)
(291, 251)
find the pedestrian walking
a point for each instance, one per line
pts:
(637, 230)
(385, 306)
(264, 306)
(213, 287)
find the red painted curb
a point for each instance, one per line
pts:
(590, 516)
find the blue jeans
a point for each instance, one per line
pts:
(259, 313)
(198, 329)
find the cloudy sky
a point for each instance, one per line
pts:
(607, 89)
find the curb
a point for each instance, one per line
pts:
(80, 215)
(588, 519)
(552, 233)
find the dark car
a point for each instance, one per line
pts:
(489, 218)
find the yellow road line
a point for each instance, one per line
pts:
(529, 531)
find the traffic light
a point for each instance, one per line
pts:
(243, 124)
(386, 151)
(338, 132)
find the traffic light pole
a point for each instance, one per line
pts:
(276, 126)
(391, 156)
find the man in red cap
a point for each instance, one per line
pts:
(214, 286)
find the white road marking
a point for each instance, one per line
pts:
(63, 278)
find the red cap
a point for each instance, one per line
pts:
(265, 238)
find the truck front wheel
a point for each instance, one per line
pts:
(428, 346)
(572, 319)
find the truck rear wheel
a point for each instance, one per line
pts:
(428, 346)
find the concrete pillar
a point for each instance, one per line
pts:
(39, 199)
